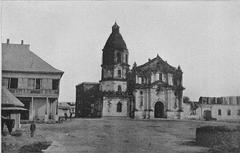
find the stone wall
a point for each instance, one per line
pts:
(110, 106)
(211, 136)
(113, 85)
(234, 111)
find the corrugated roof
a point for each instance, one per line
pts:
(9, 99)
(18, 57)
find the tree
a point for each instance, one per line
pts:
(186, 99)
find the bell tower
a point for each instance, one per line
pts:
(114, 62)
(115, 67)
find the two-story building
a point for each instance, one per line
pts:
(32, 80)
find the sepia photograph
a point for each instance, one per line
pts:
(120, 76)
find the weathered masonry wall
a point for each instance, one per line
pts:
(110, 107)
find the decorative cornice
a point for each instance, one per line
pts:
(113, 79)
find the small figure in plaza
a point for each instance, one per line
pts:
(32, 128)
(70, 115)
(65, 115)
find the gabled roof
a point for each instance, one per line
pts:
(18, 57)
(115, 40)
(156, 64)
(8, 99)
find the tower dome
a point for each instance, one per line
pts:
(115, 40)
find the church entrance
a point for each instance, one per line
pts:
(159, 110)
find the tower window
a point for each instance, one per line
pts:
(119, 107)
(141, 98)
(119, 73)
(160, 77)
(126, 60)
(219, 112)
(119, 88)
(118, 57)
(229, 112)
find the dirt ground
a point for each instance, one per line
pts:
(114, 135)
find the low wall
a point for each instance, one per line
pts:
(210, 136)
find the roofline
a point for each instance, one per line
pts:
(151, 60)
(15, 44)
(87, 83)
(42, 72)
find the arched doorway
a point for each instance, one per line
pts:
(159, 110)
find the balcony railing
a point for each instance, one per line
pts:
(34, 91)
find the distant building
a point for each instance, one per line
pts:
(66, 107)
(220, 108)
(152, 90)
(190, 110)
(32, 80)
(88, 100)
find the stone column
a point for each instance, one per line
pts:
(46, 110)
(151, 114)
(166, 106)
(145, 104)
(56, 110)
(148, 103)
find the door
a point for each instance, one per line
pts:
(207, 115)
(159, 110)
(26, 101)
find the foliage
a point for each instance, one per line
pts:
(186, 99)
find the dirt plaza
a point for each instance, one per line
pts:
(113, 135)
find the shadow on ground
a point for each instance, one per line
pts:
(36, 147)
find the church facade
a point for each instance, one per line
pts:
(151, 90)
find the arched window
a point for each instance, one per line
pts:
(119, 73)
(119, 88)
(119, 107)
(219, 112)
(141, 98)
(229, 112)
(119, 58)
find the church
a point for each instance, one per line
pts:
(151, 90)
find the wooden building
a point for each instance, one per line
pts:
(32, 80)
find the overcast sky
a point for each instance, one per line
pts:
(202, 37)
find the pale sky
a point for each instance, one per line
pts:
(202, 37)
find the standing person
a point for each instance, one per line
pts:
(65, 114)
(32, 128)
(70, 115)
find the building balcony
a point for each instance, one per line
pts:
(32, 92)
